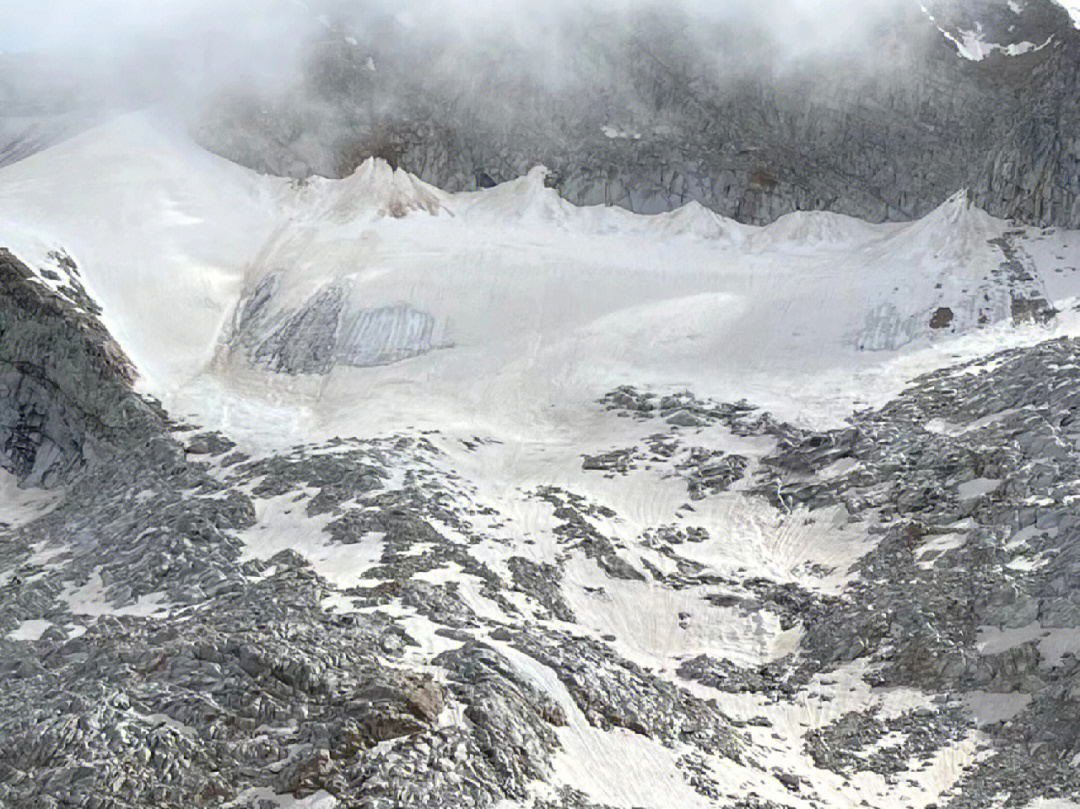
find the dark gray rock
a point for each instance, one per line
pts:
(65, 386)
(649, 117)
(328, 329)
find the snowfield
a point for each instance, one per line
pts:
(538, 306)
(286, 313)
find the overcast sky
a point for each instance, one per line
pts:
(106, 26)
(93, 24)
(102, 25)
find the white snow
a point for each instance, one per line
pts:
(1018, 48)
(1073, 7)
(970, 489)
(780, 745)
(654, 624)
(1021, 537)
(260, 796)
(545, 307)
(937, 545)
(941, 427)
(30, 629)
(281, 523)
(994, 640)
(1053, 643)
(89, 599)
(615, 132)
(813, 231)
(972, 44)
(160, 228)
(1057, 642)
(619, 767)
(989, 707)
(19, 506)
(1028, 563)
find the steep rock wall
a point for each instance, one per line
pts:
(65, 386)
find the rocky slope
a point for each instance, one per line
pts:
(361, 623)
(66, 384)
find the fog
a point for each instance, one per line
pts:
(105, 26)
(188, 48)
(309, 86)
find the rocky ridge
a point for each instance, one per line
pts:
(65, 381)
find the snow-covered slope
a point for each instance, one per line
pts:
(173, 224)
(463, 416)
(507, 295)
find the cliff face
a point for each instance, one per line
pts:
(652, 112)
(65, 386)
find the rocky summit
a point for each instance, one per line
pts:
(627, 407)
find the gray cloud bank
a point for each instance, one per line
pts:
(186, 48)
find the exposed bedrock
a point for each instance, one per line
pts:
(329, 328)
(65, 385)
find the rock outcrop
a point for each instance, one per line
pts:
(65, 385)
(329, 328)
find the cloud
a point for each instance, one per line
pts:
(89, 26)
(140, 51)
(110, 26)
(188, 49)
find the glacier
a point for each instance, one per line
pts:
(487, 499)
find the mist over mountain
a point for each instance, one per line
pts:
(872, 112)
(878, 110)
